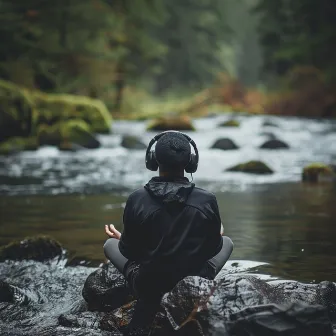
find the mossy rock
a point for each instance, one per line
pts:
(318, 172)
(77, 132)
(55, 108)
(177, 123)
(39, 248)
(67, 134)
(230, 123)
(274, 144)
(16, 111)
(252, 167)
(18, 144)
(132, 142)
(224, 144)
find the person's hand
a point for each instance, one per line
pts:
(112, 232)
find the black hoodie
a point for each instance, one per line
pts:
(171, 228)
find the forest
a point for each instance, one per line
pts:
(146, 57)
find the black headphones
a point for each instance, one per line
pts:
(152, 164)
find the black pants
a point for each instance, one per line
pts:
(145, 310)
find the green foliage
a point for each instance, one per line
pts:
(298, 33)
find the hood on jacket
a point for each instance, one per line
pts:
(170, 190)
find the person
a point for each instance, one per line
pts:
(172, 229)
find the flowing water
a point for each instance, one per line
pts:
(272, 218)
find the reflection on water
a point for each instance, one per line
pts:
(292, 226)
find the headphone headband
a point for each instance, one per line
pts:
(158, 136)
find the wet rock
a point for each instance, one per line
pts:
(18, 144)
(106, 289)
(224, 144)
(230, 123)
(283, 320)
(132, 142)
(268, 123)
(318, 172)
(274, 144)
(271, 136)
(177, 123)
(39, 248)
(252, 167)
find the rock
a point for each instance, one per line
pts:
(18, 144)
(177, 123)
(230, 123)
(53, 108)
(284, 320)
(224, 144)
(274, 144)
(252, 167)
(268, 123)
(106, 289)
(16, 111)
(132, 142)
(318, 172)
(67, 135)
(270, 135)
(39, 248)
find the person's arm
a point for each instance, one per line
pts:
(130, 244)
(217, 229)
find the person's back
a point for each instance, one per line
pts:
(172, 229)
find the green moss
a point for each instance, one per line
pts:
(39, 248)
(49, 135)
(54, 108)
(252, 167)
(18, 144)
(16, 111)
(178, 123)
(316, 172)
(230, 123)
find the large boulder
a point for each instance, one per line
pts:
(274, 144)
(177, 123)
(18, 144)
(318, 172)
(230, 123)
(53, 108)
(224, 144)
(65, 134)
(39, 248)
(16, 111)
(132, 142)
(252, 167)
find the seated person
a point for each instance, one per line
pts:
(172, 229)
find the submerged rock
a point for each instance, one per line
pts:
(274, 144)
(43, 298)
(224, 144)
(252, 167)
(132, 142)
(178, 123)
(230, 123)
(318, 172)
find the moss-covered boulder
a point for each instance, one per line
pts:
(274, 144)
(66, 134)
(18, 144)
(224, 144)
(39, 248)
(230, 123)
(177, 123)
(53, 108)
(132, 142)
(252, 167)
(318, 172)
(16, 111)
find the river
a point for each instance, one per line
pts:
(273, 218)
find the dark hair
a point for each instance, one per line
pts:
(172, 151)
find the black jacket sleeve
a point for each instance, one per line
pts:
(215, 232)
(130, 244)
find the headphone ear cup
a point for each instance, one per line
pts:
(192, 165)
(151, 162)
